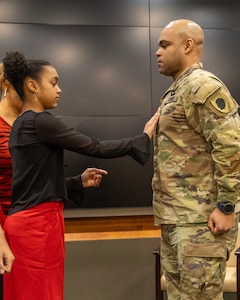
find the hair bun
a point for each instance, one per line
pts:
(15, 66)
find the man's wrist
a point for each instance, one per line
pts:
(226, 207)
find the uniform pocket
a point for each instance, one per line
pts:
(203, 267)
(211, 249)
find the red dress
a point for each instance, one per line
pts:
(5, 170)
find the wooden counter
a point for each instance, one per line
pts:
(109, 224)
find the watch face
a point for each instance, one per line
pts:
(228, 208)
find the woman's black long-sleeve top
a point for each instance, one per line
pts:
(37, 141)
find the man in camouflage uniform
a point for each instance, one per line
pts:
(196, 168)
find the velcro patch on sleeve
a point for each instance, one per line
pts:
(203, 90)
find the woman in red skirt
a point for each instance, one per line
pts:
(10, 109)
(35, 224)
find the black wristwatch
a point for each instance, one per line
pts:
(226, 207)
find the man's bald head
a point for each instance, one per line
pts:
(180, 46)
(187, 29)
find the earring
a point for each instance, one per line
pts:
(35, 96)
(5, 92)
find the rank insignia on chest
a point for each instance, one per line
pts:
(169, 100)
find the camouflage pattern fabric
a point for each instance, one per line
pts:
(196, 149)
(194, 261)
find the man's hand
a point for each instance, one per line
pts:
(92, 177)
(6, 256)
(219, 222)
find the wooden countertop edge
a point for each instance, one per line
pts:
(89, 236)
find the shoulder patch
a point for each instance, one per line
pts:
(211, 91)
(221, 103)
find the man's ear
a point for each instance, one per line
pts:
(189, 44)
(31, 85)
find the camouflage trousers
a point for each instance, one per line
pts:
(194, 261)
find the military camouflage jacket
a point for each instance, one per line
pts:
(196, 149)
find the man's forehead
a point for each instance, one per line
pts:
(166, 36)
(167, 31)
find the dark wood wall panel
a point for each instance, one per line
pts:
(104, 52)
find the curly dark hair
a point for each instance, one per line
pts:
(17, 68)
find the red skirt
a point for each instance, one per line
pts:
(36, 237)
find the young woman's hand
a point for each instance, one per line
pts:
(92, 177)
(151, 124)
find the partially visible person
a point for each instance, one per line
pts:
(6, 255)
(196, 178)
(34, 226)
(10, 109)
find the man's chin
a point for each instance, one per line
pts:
(162, 71)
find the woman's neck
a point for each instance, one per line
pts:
(34, 107)
(9, 112)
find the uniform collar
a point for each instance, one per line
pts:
(172, 89)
